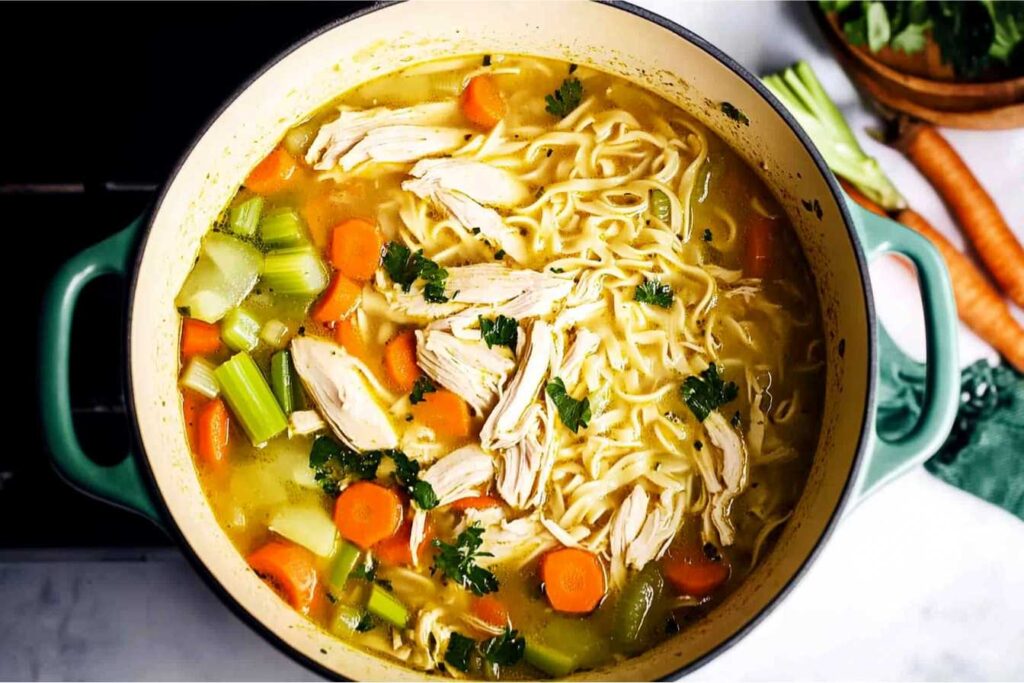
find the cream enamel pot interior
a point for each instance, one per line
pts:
(159, 480)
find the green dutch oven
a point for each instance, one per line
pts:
(154, 254)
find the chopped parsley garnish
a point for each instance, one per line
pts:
(487, 60)
(367, 571)
(654, 292)
(505, 649)
(500, 254)
(574, 414)
(707, 235)
(366, 623)
(404, 267)
(730, 110)
(334, 463)
(707, 392)
(500, 331)
(459, 650)
(423, 386)
(565, 99)
(735, 421)
(458, 562)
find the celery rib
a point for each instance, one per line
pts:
(250, 398)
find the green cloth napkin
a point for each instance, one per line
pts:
(984, 453)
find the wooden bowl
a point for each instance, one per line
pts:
(921, 86)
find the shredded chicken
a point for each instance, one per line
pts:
(338, 385)
(510, 421)
(583, 345)
(470, 369)
(734, 467)
(305, 422)
(493, 288)
(337, 137)
(526, 465)
(482, 182)
(626, 524)
(520, 539)
(402, 144)
(656, 534)
(463, 187)
(460, 474)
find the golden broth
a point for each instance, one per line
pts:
(764, 334)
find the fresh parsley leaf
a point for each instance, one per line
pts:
(458, 561)
(879, 30)
(708, 236)
(407, 473)
(500, 254)
(365, 571)
(505, 649)
(565, 99)
(654, 292)
(911, 39)
(333, 464)
(404, 267)
(556, 270)
(501, 331)
(400, 266)
(423, 386)
(707, 392)
(459, 650)
(574, 414)
(734, 113)
(367, 622)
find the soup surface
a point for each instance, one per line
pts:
(502, 367)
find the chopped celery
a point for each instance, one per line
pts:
(240, 330)
(386, 606)
(245, 218)
(274, 333)
(661, 207)
(199, 377)
(282, 381)
(296, 270)
(281, 228)
(224, 274)
(346, 620)
(345, 561)
(250, 398)
(549, 660)
(640, 611)
(308, 525)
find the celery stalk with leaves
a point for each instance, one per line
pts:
(800, 90)
(980, 306)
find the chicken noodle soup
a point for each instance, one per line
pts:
(502, 367)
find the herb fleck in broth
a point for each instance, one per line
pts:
(545, 311)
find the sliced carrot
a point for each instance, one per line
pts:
(356, 247)
(212, 433)
(693, 573)
(198, 338)
(482, 102)
(338, 300)
(757, 261)
(400, 361)
(395, 550)
(273, 173)
(290, 569)
(574, 580)
(978, 303)
(972, 206)
(490, 610)
(191, 405)
(444, 412)
(475, 503)
(350, 338)
(367, 513)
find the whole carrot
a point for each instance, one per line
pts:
(968, 201)
(979, 304)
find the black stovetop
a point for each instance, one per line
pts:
(100, 101)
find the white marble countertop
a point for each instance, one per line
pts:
(921, 582)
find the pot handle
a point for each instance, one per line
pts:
(121, 484)
(889, 459)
